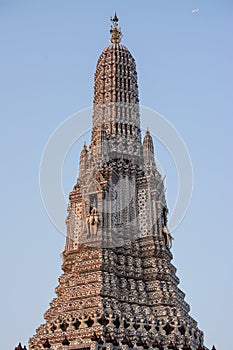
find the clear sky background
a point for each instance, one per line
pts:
(48, 52)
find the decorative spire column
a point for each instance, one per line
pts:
(119, 288)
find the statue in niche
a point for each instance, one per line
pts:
(88, 224)
(92, 220)
(167, 236)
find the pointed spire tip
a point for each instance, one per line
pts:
(115, 31)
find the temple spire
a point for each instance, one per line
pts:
(119, 288)
(115, 31)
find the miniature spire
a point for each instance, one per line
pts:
(115, 31)
(148, 142)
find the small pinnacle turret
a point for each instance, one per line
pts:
(148, 153)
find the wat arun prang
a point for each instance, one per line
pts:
(119, 289)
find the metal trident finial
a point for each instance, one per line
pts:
(115, 31)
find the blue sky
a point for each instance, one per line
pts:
(48, 52)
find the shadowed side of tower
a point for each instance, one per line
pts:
(119, 287)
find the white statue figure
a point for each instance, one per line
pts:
(92, 221)
(167, 236)
(88, 224)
